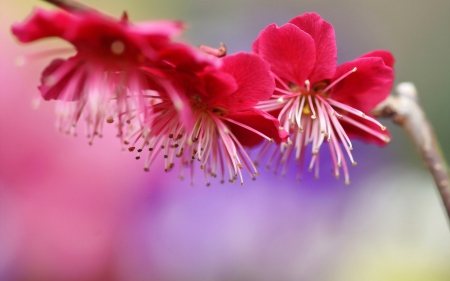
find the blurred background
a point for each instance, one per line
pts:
(70, 211)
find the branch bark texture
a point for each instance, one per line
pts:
(405, 110)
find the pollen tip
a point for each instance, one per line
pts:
(350, 148)
(383, 128)
(222, 181)
(280, 128)
(347, 181)
(316, 177)
(208, 184)
(354, 163)
(280, 100)
(363, 115)
(338, 165)
(271, 140)
(387, 140)
(146, 169)
(307, 82)
(242, 183)
(109, 120)
(313, 116)
(256, 174)
(138, 157)
(131, 148)
(354, 69)
(253, 178)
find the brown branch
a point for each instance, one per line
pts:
(404, 109)
(70, 5)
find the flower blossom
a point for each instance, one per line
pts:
(224, 120)
(316, 101)
(104, 80)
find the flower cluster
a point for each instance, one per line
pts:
(188, 105)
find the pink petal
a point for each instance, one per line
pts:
(185, 58)
(289, 50)
(218, 85)
(41, 24)
(163, 28)
(322, 33)
(259, 121)
(365, 88)
(387, 57)
(59, 82)
(253, 78)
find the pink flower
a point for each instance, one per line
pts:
(104, 80)
(315, 100)
(222, 101)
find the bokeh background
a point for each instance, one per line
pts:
(70, 211)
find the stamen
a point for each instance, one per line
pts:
(355, 112)
(311, 107)
(339, 79)
(308, 85)
(247, 127)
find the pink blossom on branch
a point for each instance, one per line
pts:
(222, 101)
(104, 80)
(316, 101)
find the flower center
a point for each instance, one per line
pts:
(312, 117)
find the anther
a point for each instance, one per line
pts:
(280, 100)
(109, 120)
(383, 128)
(131, 148)
(354, 163)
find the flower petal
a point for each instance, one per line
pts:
(259, 121)
(387, 57)
(253, 78)
(326, 51)
(62, 80)
(370, 84)
(218, 86)
(41, 24)
(289, 50)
